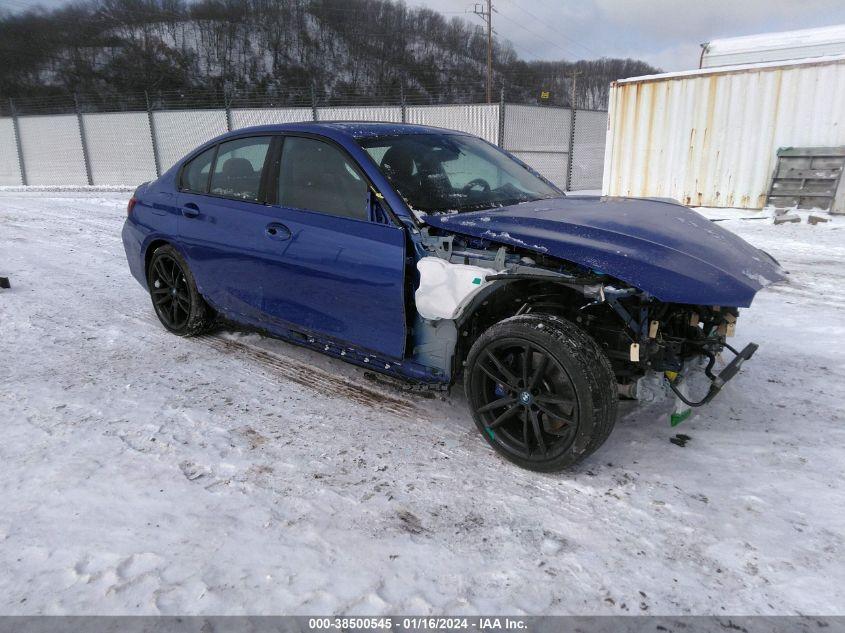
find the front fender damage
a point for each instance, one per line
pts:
(652, 345)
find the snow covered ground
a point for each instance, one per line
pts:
(143, 473)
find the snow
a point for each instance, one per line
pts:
(144, 473)
(766, 42)
(808, 61)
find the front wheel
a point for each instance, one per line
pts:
(177, 302)
(541, 390)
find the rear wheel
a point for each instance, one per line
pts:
(177, 302)
(541, 390)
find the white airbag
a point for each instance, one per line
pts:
(445, 288)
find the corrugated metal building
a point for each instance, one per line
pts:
(710, 137)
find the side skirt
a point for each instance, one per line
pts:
(406, 370)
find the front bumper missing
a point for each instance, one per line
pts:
(655, 386)
(716, 382)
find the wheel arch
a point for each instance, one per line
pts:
(504, 299)
(150, 249)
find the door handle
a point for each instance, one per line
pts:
(190, 210)
(276, 231)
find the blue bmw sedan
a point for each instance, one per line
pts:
(434, 256)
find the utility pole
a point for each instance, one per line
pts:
(573, 93)
(487, 16)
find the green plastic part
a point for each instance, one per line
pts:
(676, 418)
(491, 433)
(477, 281)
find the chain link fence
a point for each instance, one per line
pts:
(83, 141)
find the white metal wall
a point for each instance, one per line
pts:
(710, 137)
(539, 136)
(120, 147)
(52, 150)
(10, 169)
(178, 132)
(481, 120)
(363, 113)
(245, 117)
(588, 159)
(120, 144)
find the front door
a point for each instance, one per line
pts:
(328, 268)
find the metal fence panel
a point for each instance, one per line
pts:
(552, 165)
(121, 152)
(539, 136)
(178, 132)
(120, 147)
(10, 169)
(245, 117)
(588, 149)
(362, 113)
(52, 150)
(535, 128)
(479, 119)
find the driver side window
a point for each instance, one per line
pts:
(317, 176)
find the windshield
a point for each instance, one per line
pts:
(440, 173)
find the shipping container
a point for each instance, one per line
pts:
(710, 137)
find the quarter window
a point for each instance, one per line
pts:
(237, 171)
(317, 176)
(195, 173)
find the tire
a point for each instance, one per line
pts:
(173, 291)
(536, 382)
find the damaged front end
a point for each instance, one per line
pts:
(657, 349)
(670, 349)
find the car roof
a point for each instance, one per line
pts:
(350, 129)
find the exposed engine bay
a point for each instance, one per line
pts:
(655, 348)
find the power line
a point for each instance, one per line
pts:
(525, 28)
(545, 23)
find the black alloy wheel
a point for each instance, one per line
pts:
(169, 289)
(178, 304)
(525, 398)
(541, 391)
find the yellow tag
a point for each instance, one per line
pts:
(544, 94)
(652, 329)
(722, 330)
(730, 318)
(671, 375)
(635, 352)
(693, 320)
(730, 330)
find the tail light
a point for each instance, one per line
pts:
(132, 202)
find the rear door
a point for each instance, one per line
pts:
(223, 219)
(335, 271)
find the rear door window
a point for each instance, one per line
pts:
(195, 173)
(237, 171)
(317, 176)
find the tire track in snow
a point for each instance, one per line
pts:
(311, 377)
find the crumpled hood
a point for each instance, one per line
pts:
(663, 248)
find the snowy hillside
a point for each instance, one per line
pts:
(143, 473)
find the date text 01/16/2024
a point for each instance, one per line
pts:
(419, 624)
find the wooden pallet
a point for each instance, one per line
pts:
(807, 177)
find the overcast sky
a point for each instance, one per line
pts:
(666, 33)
